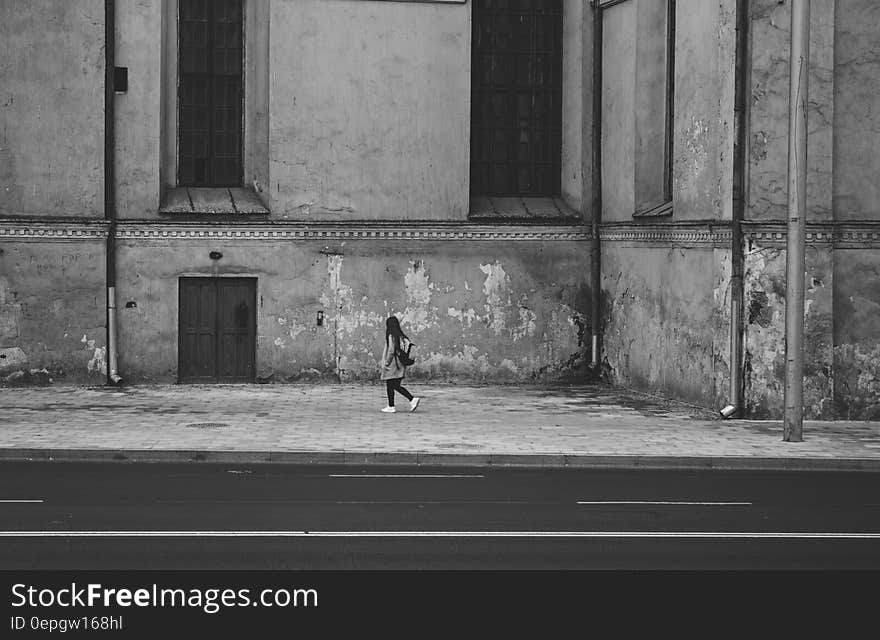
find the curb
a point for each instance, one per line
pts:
(391, 458)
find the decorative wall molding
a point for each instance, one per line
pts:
(854, 238)
(840, 235)
(666, 234)
(843, 235)
(127, 230)
(351, 231)
(54, 230)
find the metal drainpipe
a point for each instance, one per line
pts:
(797, 211)
(113, 376)
(739, 203)
(596, 256)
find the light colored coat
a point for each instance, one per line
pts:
(391, 368)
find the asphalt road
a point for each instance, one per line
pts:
(213, 516)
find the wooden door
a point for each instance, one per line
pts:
(217, 330)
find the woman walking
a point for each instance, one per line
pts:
(392, 369)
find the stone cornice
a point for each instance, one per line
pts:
(18, 229)
(282, 230)
(843, 235)
(714, 234)
(856, 235)
(299, 231)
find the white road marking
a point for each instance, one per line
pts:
(447, 502)
(399, 475)
(20, 501)
(665, 502)
(723, 535)
(348, 502)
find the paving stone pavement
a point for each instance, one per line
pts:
(455, 424)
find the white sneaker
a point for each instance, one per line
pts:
(414, 404)
(389, 410)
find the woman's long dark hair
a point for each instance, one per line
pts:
(392, 328)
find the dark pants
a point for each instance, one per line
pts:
(394, 385)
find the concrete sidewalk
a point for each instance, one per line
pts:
(467, 425)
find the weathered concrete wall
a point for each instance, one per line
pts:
(705, 55)
(51, 107)
(477, 310)
(856, 193)
(841, 325)
(52, 302)
(618, 111)
(632, 120)
(856, 111)
(667, 319)
(764, 331)
(857, 333)
(389, 82)
(138, 111)
(370, 110)
(666, 286)
(651, 88)
(256, 94)
(577, 63)
(768, 143)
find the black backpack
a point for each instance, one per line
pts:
(403, 357)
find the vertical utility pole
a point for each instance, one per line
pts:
(797, 212)
(595, 246)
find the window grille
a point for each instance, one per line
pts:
(516, 93)
(210, 93)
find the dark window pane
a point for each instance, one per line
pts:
(516, 112)
(501, 174)
(210, 92)
(524, 179)
(523, 149)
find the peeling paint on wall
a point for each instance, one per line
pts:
(467, 316)
(721, 355)
(466, 360)
(10, 314)
(527, 325)
(764, 335)
(535, 290)
(51, 294)
(98, 362)
(12, 359)
(857, 382)
(496, 288)
(697, 146)
(419, 315)
(857, 333)
(347, 317)
(291, 330)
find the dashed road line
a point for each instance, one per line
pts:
(664, 502)
(401, 475)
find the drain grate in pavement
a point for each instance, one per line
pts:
(207, 425)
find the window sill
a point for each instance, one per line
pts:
(211, 201)
(660, 211)
(495, 209)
